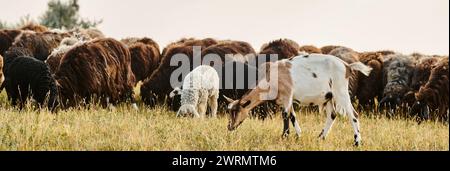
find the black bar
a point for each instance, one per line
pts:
(253, 159)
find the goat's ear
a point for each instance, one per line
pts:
(246, 103)
(230, 106)
(229, 100)
(233, 104)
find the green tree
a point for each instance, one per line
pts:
(65, 15)
(4, 25)
(24, 20)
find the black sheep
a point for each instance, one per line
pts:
(29, 77)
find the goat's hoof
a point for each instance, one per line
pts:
(357, 140)
(321, 135)
(357, 144)
(285, 135)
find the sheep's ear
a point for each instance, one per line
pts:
(175, 91)
(228, 99)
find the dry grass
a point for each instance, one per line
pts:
(158, 129)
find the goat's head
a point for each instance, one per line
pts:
(238, 112)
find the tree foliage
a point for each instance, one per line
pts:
(23, 21)
(65, 15)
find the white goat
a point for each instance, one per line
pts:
(200, 88)
(313, 79)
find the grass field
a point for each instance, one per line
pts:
(158, 129)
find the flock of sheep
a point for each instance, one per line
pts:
(71, 69)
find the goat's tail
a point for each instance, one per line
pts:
(340, 87)
(175, 91)
(358, 66)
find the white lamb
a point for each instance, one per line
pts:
(200, 88)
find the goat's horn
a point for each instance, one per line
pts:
(228, 99)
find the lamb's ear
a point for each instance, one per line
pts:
(229, 100)
(175, 91)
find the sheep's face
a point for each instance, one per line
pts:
(393, 96)
(187, 110)
(421, 110)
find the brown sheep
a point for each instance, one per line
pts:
(238, 49)
(96, 70)
(34, 27)
(7, 38)
(385, 52)
(145, 56)
(328, 49)
(170, 45)
(288, 41)
(156, 87)
(421, 73)
(434, 94)
(370, 87)
(230, 47)
(66, 44)
(397, 74)
(89, 33)
(39, 45)
(350, 56)
(310, 49)
(241, 47)
(283, 48)
(78, 36)
(2, 77)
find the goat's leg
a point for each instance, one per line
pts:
(287, 114)
(331, 115)
(295, 122)
(285, 122)
(353, 116)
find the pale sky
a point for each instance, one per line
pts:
(401, 25)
